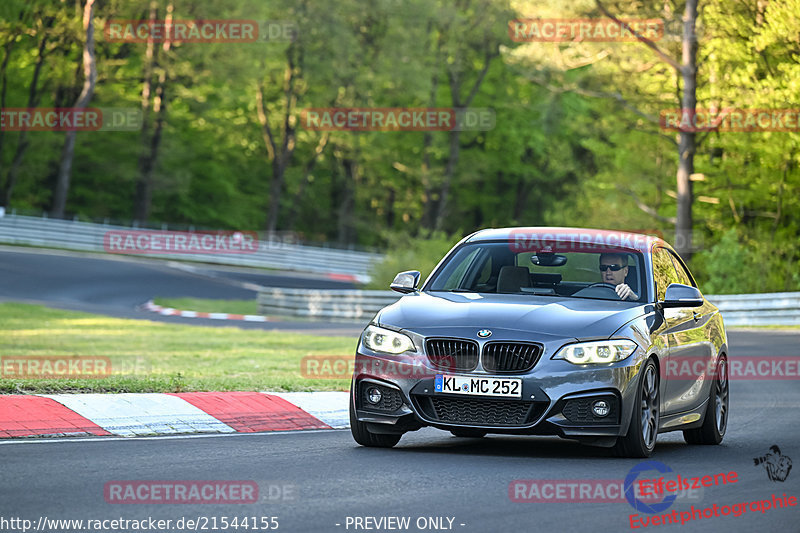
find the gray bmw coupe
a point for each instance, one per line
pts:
(598, 336)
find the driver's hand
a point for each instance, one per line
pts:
(625, 293)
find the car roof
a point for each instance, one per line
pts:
(623, 239)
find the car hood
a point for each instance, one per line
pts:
(443, 312)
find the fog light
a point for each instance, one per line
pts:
(600, 408)
(374, 395)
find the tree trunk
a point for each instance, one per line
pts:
(22, 142)
(90, 79)
(139, 208)
(345, 230)
(280, 155)
(390, 201)
(428, 204)
(147, 164)
(4, 83)
(452, 161)
(291, 219)
(275, 189)
(150, 146)
(687, 147)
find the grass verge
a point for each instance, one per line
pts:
(158, 357)
(236, 307)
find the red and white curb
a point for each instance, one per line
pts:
(132, 415)
(169, 311)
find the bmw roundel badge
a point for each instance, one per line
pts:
(485, 333)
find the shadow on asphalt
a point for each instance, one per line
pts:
(525, 447)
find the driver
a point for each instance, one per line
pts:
(613, 269)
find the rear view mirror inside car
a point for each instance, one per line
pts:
(548, 259)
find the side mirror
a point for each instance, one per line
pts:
(679, 295)
(406, 282)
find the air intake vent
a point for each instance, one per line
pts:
(479, 411)
(453, 354)
(510, 356)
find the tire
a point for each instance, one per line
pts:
(640, 441)
(468, 433)
(365, 438)
(715, 421)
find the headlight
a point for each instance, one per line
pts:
(386, 341)
(585, 353)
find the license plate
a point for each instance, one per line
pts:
(478, 386)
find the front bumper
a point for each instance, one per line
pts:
(556, 398)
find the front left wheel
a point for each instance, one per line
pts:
(640, 441)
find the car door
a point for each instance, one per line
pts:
(695, 350)
(665, 325)
(686, 338)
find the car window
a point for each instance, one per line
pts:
(459, 268)
(479, 267)
(486, 272)
(580, 267)
(683, 275)
(663, 272)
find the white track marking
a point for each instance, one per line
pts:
(141, 414)
(330, 407)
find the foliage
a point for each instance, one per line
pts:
(576, 140)
(421, 253)
(753, 265)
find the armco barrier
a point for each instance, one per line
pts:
(767, 309)
(86, 236)
(349, 305)
(779, 309)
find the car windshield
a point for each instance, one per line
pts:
(495, 267)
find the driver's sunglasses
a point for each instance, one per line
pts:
(614, 268)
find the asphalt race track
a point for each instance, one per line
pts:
(429, 474)
(116, 286)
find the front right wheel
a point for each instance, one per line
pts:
(365, 437)
(640, 441)
(716, 419)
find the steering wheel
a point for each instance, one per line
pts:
(603, 286)
(600, 285)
